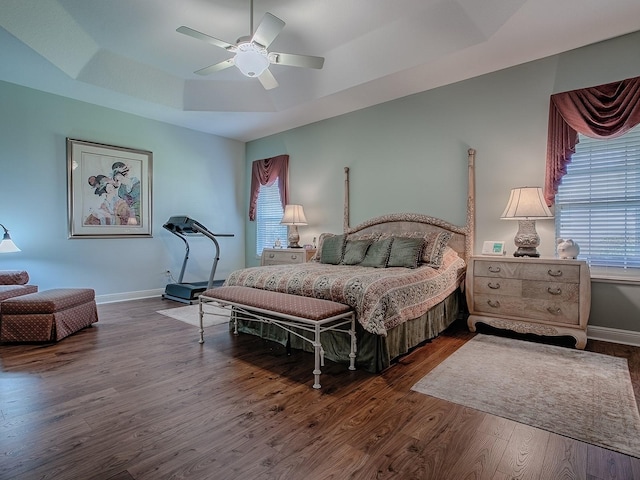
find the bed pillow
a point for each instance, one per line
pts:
(434, 247)
(378, 254)
(355, 251)
(316, 256)
(405, 252)
(332, 249)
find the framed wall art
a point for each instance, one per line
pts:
(109, 190)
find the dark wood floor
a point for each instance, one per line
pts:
(136, 397)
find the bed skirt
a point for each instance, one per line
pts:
(375, 352)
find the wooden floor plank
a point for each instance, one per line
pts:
(524, 457)
(136, 397)
(565, 459)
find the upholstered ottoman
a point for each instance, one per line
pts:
(47, 316)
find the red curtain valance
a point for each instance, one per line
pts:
(608, 110)
(265, 172)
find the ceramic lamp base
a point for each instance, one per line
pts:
(294, 237)
(527, 239)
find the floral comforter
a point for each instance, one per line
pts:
(381, 297)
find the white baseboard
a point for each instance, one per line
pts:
(614, 335)
(123, 297)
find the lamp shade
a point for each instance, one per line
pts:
(293, 215)
(526, 203)
(7, 245)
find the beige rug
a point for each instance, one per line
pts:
(189, 314)
(581, 395)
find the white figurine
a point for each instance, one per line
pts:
(567, 248)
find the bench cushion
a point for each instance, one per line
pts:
(294, 305)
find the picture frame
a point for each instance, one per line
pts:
(109, 190)
(493, 247)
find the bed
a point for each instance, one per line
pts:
(397, 308)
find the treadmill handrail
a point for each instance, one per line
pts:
(194, 228)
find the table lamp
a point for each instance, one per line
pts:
(526, 204)
(293, 216)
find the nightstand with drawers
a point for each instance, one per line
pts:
(548, 297)
(284, 256)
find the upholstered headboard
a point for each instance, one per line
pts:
(404, 223)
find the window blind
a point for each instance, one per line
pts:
(268, 215)
(598, 202)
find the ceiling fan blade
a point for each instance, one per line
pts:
(206, 38)
(214, 68)
(267, 80)
(293, 60)
(268, 30)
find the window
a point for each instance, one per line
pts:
(268, 215)
(598, 203)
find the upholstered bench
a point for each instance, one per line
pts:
(47, 316)
(292, 313)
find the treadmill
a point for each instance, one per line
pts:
(188, 292)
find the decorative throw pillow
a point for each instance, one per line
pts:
(378, 254)
(354, 251)
(434, 246)
(405, 252)
(323, 236)
(14, 277)
(332, 249)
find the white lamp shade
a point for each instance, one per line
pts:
(7, 245)
(526, 203)
(293, 215)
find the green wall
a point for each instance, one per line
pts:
(194, 174)
(405, 155)
(409, 155)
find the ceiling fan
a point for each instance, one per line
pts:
(251, 55)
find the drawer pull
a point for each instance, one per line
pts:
(554, 311)
(493, 269)
(294, 257)
(557, 273)
(271, 255)
(493, 286)
(556, 291)
(493, 304)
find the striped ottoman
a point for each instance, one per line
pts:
(47, 316)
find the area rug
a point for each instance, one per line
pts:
(582, 395)
(190, 314)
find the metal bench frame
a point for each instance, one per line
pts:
(344, 322)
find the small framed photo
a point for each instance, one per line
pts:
(493, 247)
(109, 191)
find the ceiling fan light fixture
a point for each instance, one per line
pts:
(251, 59)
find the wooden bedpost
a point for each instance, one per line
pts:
(345, 224)
(471, 205)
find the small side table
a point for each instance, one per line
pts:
(284, 256)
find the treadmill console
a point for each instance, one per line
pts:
(184, 224)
